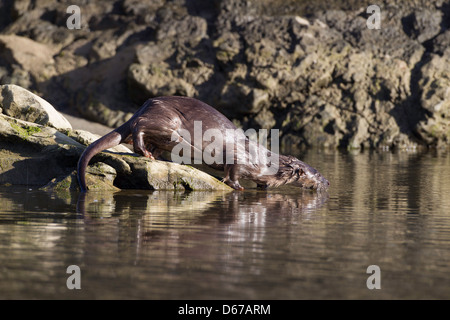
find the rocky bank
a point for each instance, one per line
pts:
(40, 148)
(312, 69)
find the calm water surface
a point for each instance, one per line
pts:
(385, 209)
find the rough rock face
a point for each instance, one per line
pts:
(45, 153)
(312, 69)
(435, 99)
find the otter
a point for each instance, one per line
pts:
(157, 127)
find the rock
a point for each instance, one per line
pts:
(32, 154)
(435, 98)
(243, 99)
(441, 42)
(17, 76)
(103, 98)
(86, 138)
(227, 46)
(20, 7)
(302, 21)
(103, 49)
(19, 103)
(157, 80)
(189, 29)
(161, 175)
(99, 176)
(31, 56)
(265, 119)
(425, 24)
(144, 12)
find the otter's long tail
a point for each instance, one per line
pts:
(110, 140)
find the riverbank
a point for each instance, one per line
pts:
(313, 70)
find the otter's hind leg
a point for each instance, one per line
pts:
(139, 145)
(152, 135)
(142, 130)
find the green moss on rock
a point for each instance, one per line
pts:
(25, 131)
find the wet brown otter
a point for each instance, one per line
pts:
(153, 127)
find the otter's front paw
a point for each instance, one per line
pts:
(237, 186)
(233, 184)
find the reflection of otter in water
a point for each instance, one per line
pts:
(152, 128)
(174, 208)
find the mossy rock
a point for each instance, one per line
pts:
(99, 176)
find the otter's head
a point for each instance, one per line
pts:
(295, 172)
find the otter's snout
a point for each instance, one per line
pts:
(314, 180)
(322, 183)
(307, 177)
